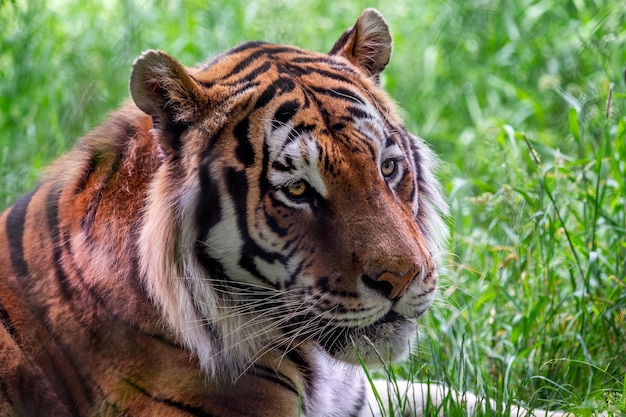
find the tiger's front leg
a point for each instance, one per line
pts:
(402, 398)
(416, 400)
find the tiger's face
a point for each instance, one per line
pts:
(315, 214)
(329, 188)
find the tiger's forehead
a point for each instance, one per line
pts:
(273, 73)
(257, 62)
(356, 126)
(309, 110)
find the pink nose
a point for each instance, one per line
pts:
(393, 285)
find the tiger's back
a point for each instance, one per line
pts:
(58, 316)
(224, 243)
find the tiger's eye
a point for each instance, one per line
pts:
(388, 167)
(297, 189)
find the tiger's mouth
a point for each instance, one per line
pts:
(388, 336)
(390, 317)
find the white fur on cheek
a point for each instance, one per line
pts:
(163, 272)
(179, 285)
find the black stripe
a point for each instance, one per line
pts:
(369, 144)
(299, 130)
(305, 368)
(89, 169)
(409, 147)
(338, 126)
(340, 93)
(264, 49)
(353, 146)
(417, 160)
(215, 60)
(4, 391)
(358, 113)
(293, 278)
(389, 141)
(237, 184)
(328, 165)
(251, 76)
(195, 411)
(278, 166)
(310, 59)
(285, 112)
(301, 71)
(275, 377)
(323, 111)
(208, 212)
(303, 365)
(15, 231)
(274, 226)
(280, 86)
(245, 46)
(244, 151)
(6, 321)
(295, 133)
(214, 268)
(209, 151)
(52, 216)
(89, 216)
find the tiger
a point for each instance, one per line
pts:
(240, 238)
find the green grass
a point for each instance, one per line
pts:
(514, 96)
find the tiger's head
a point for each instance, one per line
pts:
(292, 207)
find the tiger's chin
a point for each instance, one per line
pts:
(389, 339)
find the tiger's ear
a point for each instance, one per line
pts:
(368, 44)
(164, 89)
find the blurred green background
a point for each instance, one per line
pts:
(523, 100)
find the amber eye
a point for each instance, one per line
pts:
(388, 168)
(297, 190)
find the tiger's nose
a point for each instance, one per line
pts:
(392, 285)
